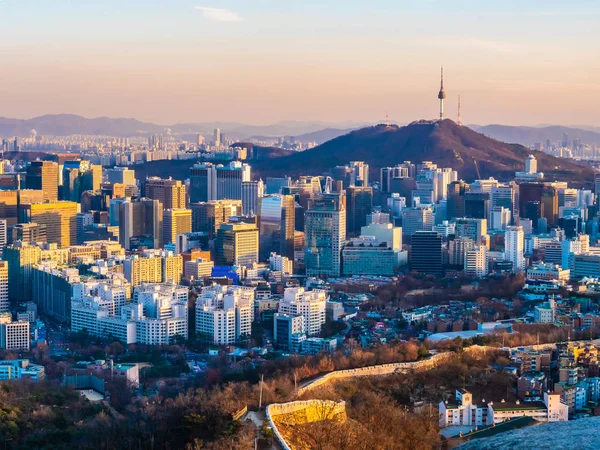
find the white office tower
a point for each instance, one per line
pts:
(531, 165)
(4, 302)
(224, 314)
(484, 186)
(476, 263)
(514, 247)
(217, 137)
(499, 218)
(576, 246)
(309, 304)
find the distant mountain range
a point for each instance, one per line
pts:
(319, 132)
(530, 135)
(445, 143)
(69, 124)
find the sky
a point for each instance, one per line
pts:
(263, 61)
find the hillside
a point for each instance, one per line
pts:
(324, 135)
(445, 143)
(531, 135)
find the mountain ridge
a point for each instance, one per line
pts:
(443, 142)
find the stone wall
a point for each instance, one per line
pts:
(299, 412)
(374, 371)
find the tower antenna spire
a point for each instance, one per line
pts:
(459, 119)
(442, 94)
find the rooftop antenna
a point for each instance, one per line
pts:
(459, 120)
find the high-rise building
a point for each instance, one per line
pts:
(426, 252)
(176, 221)
(530, 201)
(83, 220)
(140, 218)
(477, 205)
(514, 247)
(325, 234)
(550, 204)
(506, 196)
(456, 199)
(171, 193)
(236, 244)
(60, 219)
(229, 180)
(29, 233)
(143, 269)
(500, 218)
(252, 192)
(4, 300)
(457, 249)
(77, 177)
(476, 263)
(208, 216)
(9, 207)
(121, 175)
(43, 175)
(311, 305)
(475, 229)
(288, 331)
(578, 245)
(224, 315)
(210, 182)
(202, 182)
(217, 137)
(276, 226)
(356, 173)
(21, 258)
(359, 203)
(417, 219)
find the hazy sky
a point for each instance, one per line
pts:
(261, 61)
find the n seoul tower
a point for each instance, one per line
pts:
(442, 95)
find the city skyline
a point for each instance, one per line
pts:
(264, 62)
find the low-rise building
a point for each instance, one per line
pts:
(17, 369)
(465, 412)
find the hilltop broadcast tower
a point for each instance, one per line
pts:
(442, 95)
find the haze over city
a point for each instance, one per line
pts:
(258, 62)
